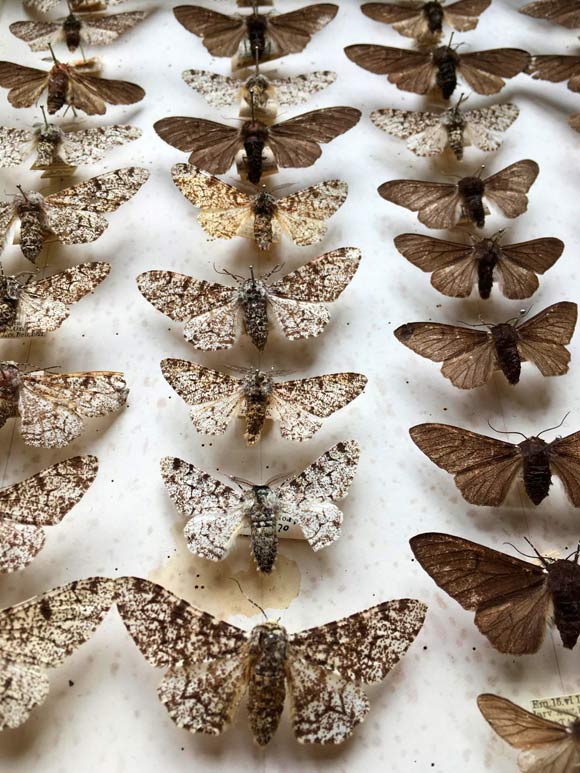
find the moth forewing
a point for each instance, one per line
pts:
(563, 12)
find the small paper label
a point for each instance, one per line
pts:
(287, 528)
(556, 709)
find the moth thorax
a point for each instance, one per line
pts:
(9, 380)
(57, 88)
(253, 298)
(254, 136)
(10, 288)
(433, 12)
(505, 338)
(49, 140)
(261, 507)
(256, 26)
(257, 388)
(471, 190)
(487, 253)
(72, 32)
(445, 59)
(536, 468)
(258, 86)
(564, 585)
(268, 652)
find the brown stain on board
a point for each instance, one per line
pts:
(208, 585)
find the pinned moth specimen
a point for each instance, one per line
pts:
(457, 267)
(546, 746)
(556, 68)
(424, 20)
(215, 398)
(52, 406)
(65, 85)
(42, 500)
(59, 149)
(34, 308)
(484, 468)
(470, 357)
(74, 5)
(40, 633)
(217, 512)
(210, 664)
(212, 312)
(293, 143)
(429, 134)
(420, 71)
(227, 211)
(74, 215)
(255, 37)
(259, 91)
(76, 31)
(444, 205)
(563, 12)
(513, 600)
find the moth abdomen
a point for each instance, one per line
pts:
(254, 140)
(31, 230)
(485, 269)
(264, 208)
(434, 15)
(446, 60)
(253, 299)
(536, 469)
(263, 528)
(57, 89)
(256, 26)
(505, 338)
(72, 32)
(267, 682)
(471, 190)
(257, 389)
(455, 141)
(564, 585)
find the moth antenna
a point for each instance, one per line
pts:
(22, 192)
(233, 579)
(556, 427)
(525, 555)
(577, 553)
(539, 555)
(239, 481)
(54, 59)
(277, 478)
(225, 272)
(504, 432)
(462, 98)
(274, 270)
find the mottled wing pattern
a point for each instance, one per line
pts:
(297, 89)
(510, 596)
(7, 217)
(565, 459)
(302, 215)
(564, 12)
(44, 305)
(508, 189)
(542, 339)
(483, 467)
(38, 34)
(464, 14)
(15, 145)
(19, 545)
(299, 298)
(212, 146)
(221, 34)
(425, 134)
(438, 204)
(218, 90)
(208, 309)
(22, 687)
(299, 405)
(213, 397)
(453, 266)
(25, 84)
(408, 70)
(291, 32)
(485, 71)
(102, 30)
(51, 406)
(484, 123)
(468, 355)
(88, 146)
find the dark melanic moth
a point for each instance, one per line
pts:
(513, 600)
(563, 12)
(209, 664)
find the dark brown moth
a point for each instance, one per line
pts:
(256, 37)
(574, 121)
(420, 71)
(65, 86)
(75, 31)
(546, 746)
(513, 600)
(210, 664)
(484, 468)
(457, 267)
(470, 357)
(293, 143)
(556, 68)
(563, 12)
(424, 21)
(444, 205)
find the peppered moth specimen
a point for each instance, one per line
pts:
(420, 71)
(457, 267)
(547, 747)
(73, 215)
(215, 398)
(255, 37)
(293, 143)
(258, 92)
(42, 500)
(513, 600)
(563, 12)
(556, 68)
(212, 312)
(75, 31)
(470, 357)
(52, 406)
(227, 211)
(39, 634)
(444, 205)
(74, 5)
(217, 512)
(484, 468)
(210, 664)
(66, 85)
(429, 134)
(59, 149)
(34, 308)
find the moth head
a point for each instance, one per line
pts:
(264, 203)
(257, 85)
(270, 640)
(9, 374)
(258, 382)
(28, 200)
